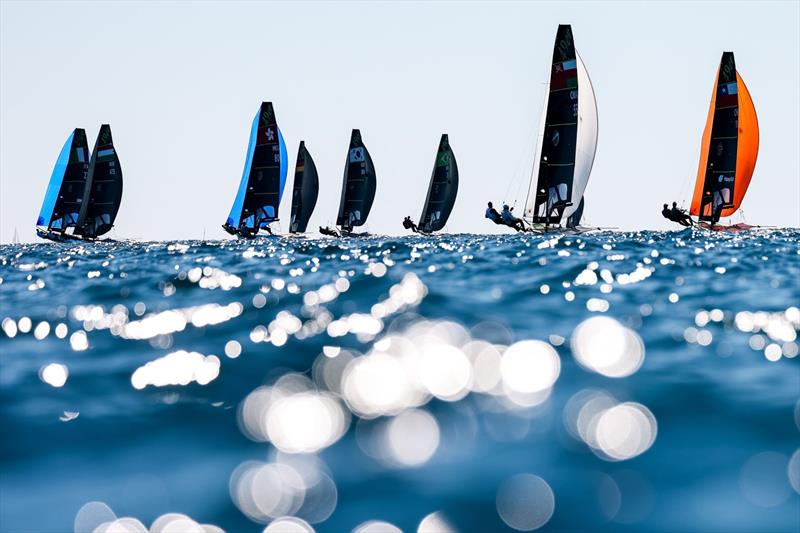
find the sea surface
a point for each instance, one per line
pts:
(601, 382)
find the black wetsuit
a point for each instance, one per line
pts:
(328, 231)
(681, 217)
(409, 224)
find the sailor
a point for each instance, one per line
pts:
(409, 224)
(666, 213)
(510, 220)
(493, 215)
(679, 215)
(328, 231)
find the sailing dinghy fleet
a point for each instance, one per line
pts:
(85, 190)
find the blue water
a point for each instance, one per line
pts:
(723, 392)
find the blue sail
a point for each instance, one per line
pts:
(263, 179)
(67, 188)
(236, 210)
(54, 187)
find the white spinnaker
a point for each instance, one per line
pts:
(530, 203)
(586, 144)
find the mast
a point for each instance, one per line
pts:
(729, 148)
(305, 190)
(567, 139)
(358, 185)
(263, 178)
(442, 189)
(103, 189)
(62, 201)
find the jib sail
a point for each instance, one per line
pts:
(103, 191)
(264, 176)
(567, 137)
(305, 190)
(729, 148)
(358, 185)
(63, 199)
(442, 190)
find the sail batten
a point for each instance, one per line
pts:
(305, 190)
(567, 139)
(263, 178)
(358, 185)
(729, 147)
(442, 189)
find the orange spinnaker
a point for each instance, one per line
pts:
(746, 149)
(746, 146)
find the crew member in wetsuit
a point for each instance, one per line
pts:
(248, 232)
(493, 215)
(680, 216)
(510, 220)
(666, 213)
(328, 231)
(409, 224)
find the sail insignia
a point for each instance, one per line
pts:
(442, 189)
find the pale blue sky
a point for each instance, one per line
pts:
(180, 82)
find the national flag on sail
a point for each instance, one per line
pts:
(268, 134)
(727, 95)
(564, 76)
(569, 65)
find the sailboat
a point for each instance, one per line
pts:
(305, 190)
(358, 186)
(728, 151)
(567, 141)
(84, 195)
(442, 189)
(256, 204)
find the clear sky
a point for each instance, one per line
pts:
(180, 83)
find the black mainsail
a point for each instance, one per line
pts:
(305, 190)
(442, 189)
(720, 171)
(64, 197)
(103, 190)
(358, 185)
(557, 157)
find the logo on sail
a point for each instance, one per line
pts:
(357, 155)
